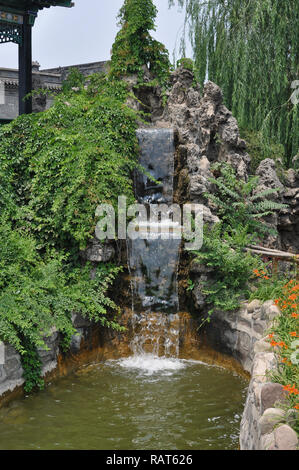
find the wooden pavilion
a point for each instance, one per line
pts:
(17, 19)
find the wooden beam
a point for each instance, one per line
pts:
(25, 68)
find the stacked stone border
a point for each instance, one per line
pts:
(266, 423)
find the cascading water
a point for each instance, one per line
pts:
(154, 259)
(153, 399)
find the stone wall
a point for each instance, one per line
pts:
(86, 69)
(243, 334)
(11, 371)
(50, 79)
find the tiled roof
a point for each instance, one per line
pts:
(26, 5)
(14, 83)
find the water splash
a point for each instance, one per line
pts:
(154, 262)
(150, 364)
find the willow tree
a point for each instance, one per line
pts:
(134, 46)
(251, 49)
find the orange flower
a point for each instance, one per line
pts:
(296, 406)
(293, 297)
(266, 277)
(293, 390)
(295, 315)
(293, 334)
(273, 343)
(294, 306)
(271, 335)
(284, 307)
(256, 272)
(287, 387)
(277, 301)
(284, 360)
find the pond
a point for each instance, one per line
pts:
(140, 403)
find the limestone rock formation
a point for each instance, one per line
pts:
(286, 222)
(206, 132)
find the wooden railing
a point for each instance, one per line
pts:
(276, 255)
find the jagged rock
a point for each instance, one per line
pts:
(267, 174)
(285, 438)
(99, 252)
(198, 268)
(270, 394)
(198, 297)
(286, 221)
(262, 346)
(39, 101)
(270, 419)
(206, 130)
(254, 305)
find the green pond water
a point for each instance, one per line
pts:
(140, 403)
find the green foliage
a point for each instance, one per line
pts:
(283, 338)
(32, 367)
(56, 167)
(267, 287)
(39, 293)
(134, 47)
(260, 148)
(250, 49)
(186, 63)
(240, 209)
(237, 202)
(60, 164)
(75, 80)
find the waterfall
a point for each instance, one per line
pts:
(153, 261)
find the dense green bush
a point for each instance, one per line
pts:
(241, 211)
(232, 268)
(60, 164)
(134, 47)
(55, 168)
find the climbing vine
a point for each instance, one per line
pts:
(55, 168)
(135, 48)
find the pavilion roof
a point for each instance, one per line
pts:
(32, 5)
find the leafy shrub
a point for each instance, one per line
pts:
(39, 293)
(224, 247)
(238, 204)
(231, 268)
(55, 168)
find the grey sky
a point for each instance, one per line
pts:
(86, 33)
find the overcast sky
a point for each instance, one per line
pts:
(85, 33)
